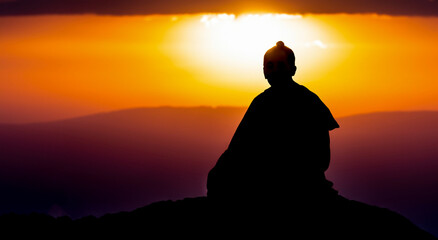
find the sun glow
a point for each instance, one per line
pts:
(235, 45)
(246, 37)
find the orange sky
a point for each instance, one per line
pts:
(61, 66)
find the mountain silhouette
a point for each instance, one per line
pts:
(162, 153)
(197, 217)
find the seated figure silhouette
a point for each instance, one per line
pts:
(270, 180)
(281, 148)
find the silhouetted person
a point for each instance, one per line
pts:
(281, 148)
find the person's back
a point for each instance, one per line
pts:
(270, 181)
(281, 147)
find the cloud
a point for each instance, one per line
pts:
(316, 43)
(138, 7)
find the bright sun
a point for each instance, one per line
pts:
(234, 45)
(245, 36)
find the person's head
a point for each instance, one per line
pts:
(279, 64)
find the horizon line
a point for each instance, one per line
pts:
(192, 107)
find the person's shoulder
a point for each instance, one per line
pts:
(262, 98)
(308, 92)
(266, 93)
(323, 110)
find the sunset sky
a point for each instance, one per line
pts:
(61, 59)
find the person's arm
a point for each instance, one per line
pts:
(327, 123)
(247, 128)
(325, 148)
(319, 150)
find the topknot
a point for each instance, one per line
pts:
(280, 44)
(280, 47)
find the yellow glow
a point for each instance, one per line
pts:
(246, 37)
(227, 45)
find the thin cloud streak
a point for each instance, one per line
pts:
(142, 7)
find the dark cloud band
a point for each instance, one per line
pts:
(137, 7)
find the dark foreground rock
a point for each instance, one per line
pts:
(201, 218)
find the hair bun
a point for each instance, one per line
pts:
(280, 44)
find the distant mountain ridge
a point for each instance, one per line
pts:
(201, 218)
(136, 110)
(122, 160)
